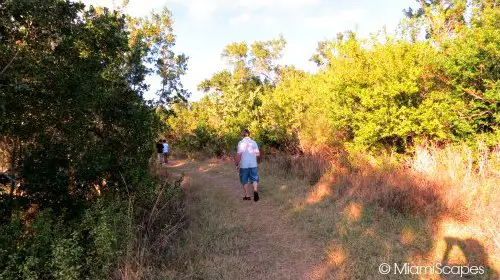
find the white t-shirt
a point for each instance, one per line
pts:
(248, 149)
(165, 148)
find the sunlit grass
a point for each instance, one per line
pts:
(355, 216)
(442, 208)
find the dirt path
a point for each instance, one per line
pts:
(229, 238)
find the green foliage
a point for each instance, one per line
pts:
(69, 103)
(385, 93)
(151, 41)
(67, 256)
(377, 98)
(49, 248)
(471, 66)
(442, 18)
(71, 92)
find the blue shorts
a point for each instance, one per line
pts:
(249, 175)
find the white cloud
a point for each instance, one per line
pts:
(340, 20)
(298, 54)
(243, 18)
(200, 66)
(257, 4)
(205, 9)
(270, 21)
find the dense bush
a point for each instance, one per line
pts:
(77, 132)
(48, 247)
(45, 245)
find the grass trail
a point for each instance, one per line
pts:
(299, 230)
(228, 238)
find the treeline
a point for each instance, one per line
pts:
(77, 135)
(436, 80)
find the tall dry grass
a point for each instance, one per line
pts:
(454, 191)
(470, 178)
(469, 183)
(153, 229)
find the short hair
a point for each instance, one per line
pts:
(164, 141)
(245, 132)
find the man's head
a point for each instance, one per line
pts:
(245, 133)
(164, 141)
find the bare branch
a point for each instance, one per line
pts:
(10, 62)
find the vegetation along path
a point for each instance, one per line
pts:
(303, 229)
(229, 238)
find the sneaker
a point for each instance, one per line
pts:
(246, 198)
(255, 196)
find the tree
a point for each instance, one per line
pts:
(470, 68)
(264, 55)
(151, 42)
(444, 18)
(72, 81)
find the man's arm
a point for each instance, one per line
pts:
(238, 155)
(238, 159)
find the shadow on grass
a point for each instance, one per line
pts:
(365, 216)
(474, 254)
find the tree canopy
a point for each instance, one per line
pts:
(77, 130)
(385, 92)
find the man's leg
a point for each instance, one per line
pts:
(244, 173)
(254, 177)
(245, 187)
(255, 192)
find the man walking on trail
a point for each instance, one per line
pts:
(165, 151)
(248, 151)
(159, 151)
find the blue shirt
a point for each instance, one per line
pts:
(248, 150)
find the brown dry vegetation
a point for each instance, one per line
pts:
(151, 237)
(434, 209)
(327, 216)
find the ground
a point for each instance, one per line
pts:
(297, 230)
(248, 240)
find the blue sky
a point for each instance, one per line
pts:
(204, 27)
